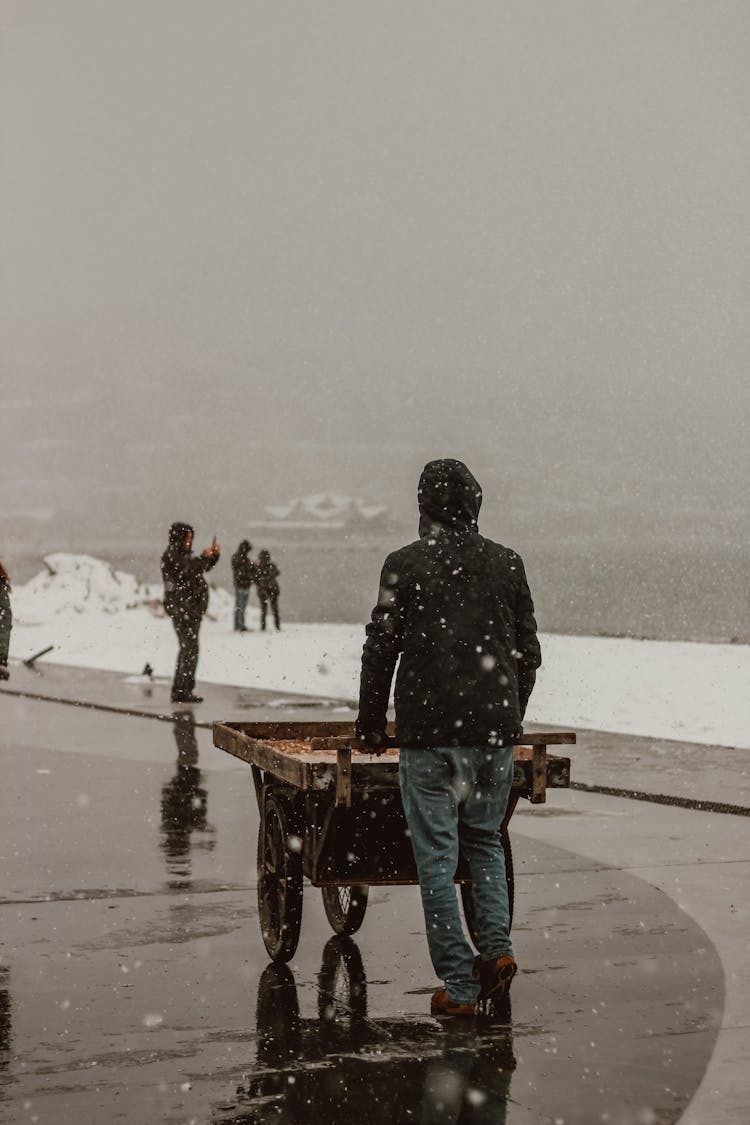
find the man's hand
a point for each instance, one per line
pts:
(213, 551)
(372, 742)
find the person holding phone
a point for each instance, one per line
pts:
(186, 601)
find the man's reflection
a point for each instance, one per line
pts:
(374, 1070)
(183, 800)
(470, 1082)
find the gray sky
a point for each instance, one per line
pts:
(271, 248)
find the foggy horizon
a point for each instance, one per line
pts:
(255, 252)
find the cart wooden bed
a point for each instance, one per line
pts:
(333, 814)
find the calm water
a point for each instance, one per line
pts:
(667, 591)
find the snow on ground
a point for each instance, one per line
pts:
(101, 618)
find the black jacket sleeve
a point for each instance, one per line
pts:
(379, 655)
(200, 563)
(529, 655)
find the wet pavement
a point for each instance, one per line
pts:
(134, 986)
(149, 696)
(682, 770)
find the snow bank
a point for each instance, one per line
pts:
(677, 690)
(101, 618)
(80, 584)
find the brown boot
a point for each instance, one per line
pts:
(495, 976)
(440, 1005)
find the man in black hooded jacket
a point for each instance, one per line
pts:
(457, 610)
(186, 601)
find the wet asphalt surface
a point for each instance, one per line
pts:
(134, 986)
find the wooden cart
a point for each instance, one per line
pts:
(333, 814)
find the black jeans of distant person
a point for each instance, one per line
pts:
(186, 627)
(264, 600)
(5, 621)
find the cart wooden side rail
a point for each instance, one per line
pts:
(330, 758)
(333, 813)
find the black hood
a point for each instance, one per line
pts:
(448, 495)
(178, 533)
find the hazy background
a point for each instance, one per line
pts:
(255, 250)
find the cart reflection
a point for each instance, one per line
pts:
(375, 1070)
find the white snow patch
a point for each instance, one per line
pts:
(79, 584)
(98, 617)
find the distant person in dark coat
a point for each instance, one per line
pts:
(268, 588)
(244, 573)
(6, 621)
(186, 601)
(456, 608)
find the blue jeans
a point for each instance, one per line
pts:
(451, 794)
(240, 605)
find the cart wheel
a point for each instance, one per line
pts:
(279, 885)
(467, 890)
(345, 907)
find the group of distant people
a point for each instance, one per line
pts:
(186, 597)
(262, 574)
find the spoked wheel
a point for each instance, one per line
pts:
(345, 907)
(467, 890)
(279, 884)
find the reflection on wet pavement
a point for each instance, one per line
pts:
(341, 1062)
(4, 1018)
(134, 986)
(184, 805)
